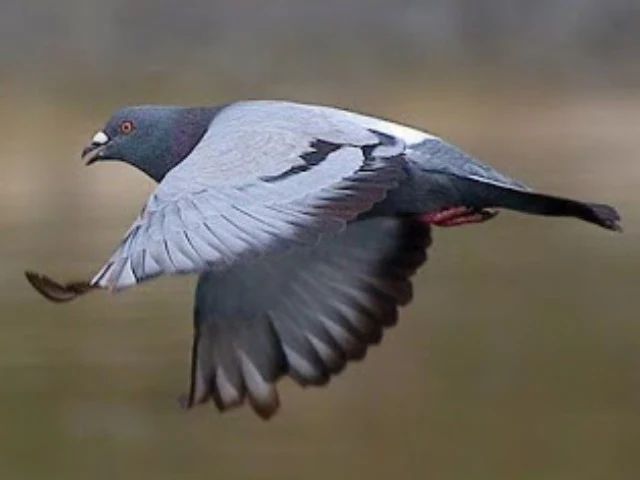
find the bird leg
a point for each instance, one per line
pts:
(455, 216)
(57, 292)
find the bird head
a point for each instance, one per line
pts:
(153, 139)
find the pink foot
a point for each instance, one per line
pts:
(452, 217)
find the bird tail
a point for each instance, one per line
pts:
(549, 205)
(490, 195)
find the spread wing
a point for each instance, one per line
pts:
(305, 314)
(265, 177)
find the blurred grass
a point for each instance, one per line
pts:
(519, 358)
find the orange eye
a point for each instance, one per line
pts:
(126, 127)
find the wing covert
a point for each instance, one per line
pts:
(267, 176)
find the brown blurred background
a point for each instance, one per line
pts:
(520, 356)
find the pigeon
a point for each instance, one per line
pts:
(305, 224)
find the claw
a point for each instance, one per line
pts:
(57, 292)
(453, 217)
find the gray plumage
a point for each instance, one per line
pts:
(304, 314)
(305, 224)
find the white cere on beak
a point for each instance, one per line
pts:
(100, 138)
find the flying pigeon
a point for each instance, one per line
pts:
(305, 224)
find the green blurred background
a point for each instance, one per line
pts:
(520, 356)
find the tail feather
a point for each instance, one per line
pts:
(485, 195)
(602, 215)
(432, 189)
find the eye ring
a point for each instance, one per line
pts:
(126, 127)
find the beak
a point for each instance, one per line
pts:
(93, 152)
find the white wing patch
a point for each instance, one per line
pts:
(408, 135)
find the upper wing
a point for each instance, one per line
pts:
(304, 314)
(266, 176)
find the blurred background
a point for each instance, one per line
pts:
(520, 356)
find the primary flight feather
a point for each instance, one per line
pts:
(305, 224)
